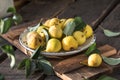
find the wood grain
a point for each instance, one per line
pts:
(82, 71)
(73, 63)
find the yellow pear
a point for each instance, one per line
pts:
(46, 23)
(80, 37)
(55, 31)
(88, 31)
(94, 60)
(39, 30)
(53, 45)
(51, 22)
(69, 43)
(34, 40)
(61, 23)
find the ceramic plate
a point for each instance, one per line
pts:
(89, 42)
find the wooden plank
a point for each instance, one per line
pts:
(15, 74)
(86, 72)
(111, 22)
(74, 62)
(87, 9)
(106, 12)
(43, 9)
(3, 56)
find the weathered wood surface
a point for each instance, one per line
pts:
(15, 74)
(88, 10)
(43, 9)
(81, 70)
(111, 22)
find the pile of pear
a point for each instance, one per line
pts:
(50, 34)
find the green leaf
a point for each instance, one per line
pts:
(2, 77)
(5, 25)
(21, 65)
(12, 63)
(46, 66)
(90, 49)
(36, 54)
(2, 26)
(28, 67)
(46, 34)
(10, 52)
(80, 24)
(69, 28)
(110, 33)
(104, 77)
(17, 18)
(111, 61)
(12, 10)
(7, 49)
(34, 28)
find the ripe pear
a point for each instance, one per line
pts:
(80, 37)
(88, 31)
(69, 43)
(53, 45)
(51, 22)
(61, 23)
(40, 31)
(55, 31)
(34, 40)
(94, 60)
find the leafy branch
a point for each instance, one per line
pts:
(92, 49)
(6, 23)
(36, 62)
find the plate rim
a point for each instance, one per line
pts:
(62, 53)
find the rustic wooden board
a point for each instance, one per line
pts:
(77, 71)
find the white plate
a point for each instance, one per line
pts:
(89, 42)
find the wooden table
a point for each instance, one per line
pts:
(97, 12)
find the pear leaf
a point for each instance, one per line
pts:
(1, 77)
(12, 10)
(46, 66)
(36, 54)
(69, 28)
(80, 24)
(5, 25)
(10, 52)
(91, 49)
(27, 67)
(104, 77)
(110, 33)
(17, 18)
(21, 65)
(2, 26)
(46, 34)
(111, 61)
(34, 28)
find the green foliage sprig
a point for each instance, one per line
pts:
(6, 23)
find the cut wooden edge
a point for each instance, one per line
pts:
(109, 50)
(63, 76)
